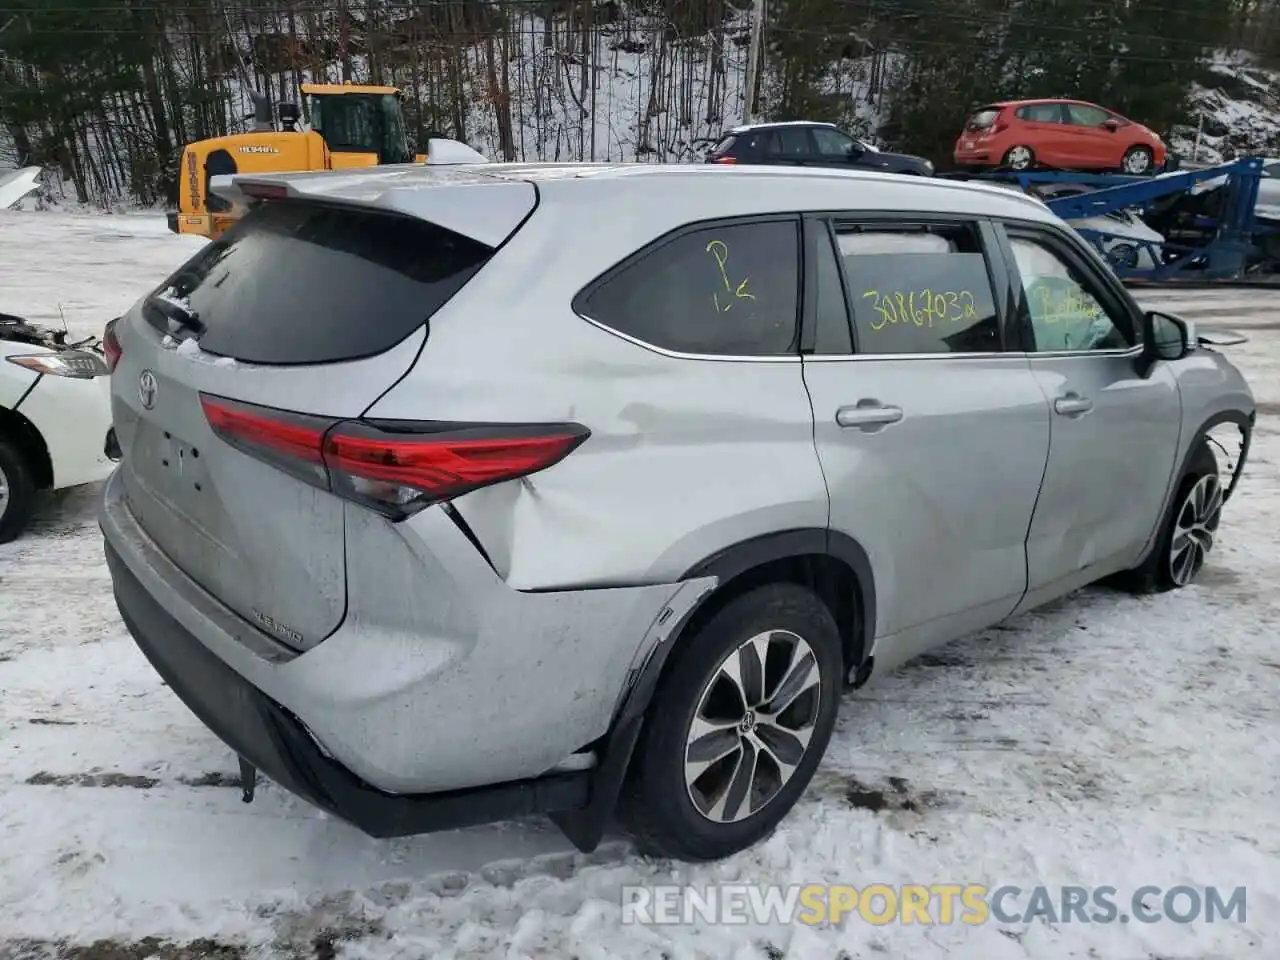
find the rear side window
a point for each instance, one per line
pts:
(297, 283)
(919, 289)
(789, 142)
(983, 118)
(1041, 113)
(726, 290)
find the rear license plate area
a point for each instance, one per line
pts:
(171, 467)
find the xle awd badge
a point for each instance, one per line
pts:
(147, 389)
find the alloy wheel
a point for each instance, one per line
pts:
(752, 726)
(1137, 162)
(4, 493)
(1019, 158)
(1194, 528)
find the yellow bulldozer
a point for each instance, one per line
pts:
(351, 126)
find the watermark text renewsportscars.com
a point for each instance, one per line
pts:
(939, 903)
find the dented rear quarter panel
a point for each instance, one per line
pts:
(685, 458)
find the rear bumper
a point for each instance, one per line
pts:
(273, 740)
(465, 714)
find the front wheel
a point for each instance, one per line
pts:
(1189, 530)
(1137, 161)
(737, 728)
(17, 491)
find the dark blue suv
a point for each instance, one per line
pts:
(809, 144)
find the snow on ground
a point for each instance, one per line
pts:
(1105, 739)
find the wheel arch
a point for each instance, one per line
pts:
(14, 426)
(1245, 422)
(828, 561)
(835, 565)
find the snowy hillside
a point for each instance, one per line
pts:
(634, 89)
(1238, 116)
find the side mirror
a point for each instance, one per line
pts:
(1111, 124)
(1164, 337)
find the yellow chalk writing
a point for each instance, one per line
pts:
(921, 307)
(1070, 305)
(720, 251)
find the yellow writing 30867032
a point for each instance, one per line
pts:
(921, 308)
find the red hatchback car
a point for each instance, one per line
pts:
(1066, 134)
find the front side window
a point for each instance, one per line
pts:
(362, 123)
(1085, 116)
(1063, 312)
(833, 143)
(919, 289)
(726, 290)
(395, 144)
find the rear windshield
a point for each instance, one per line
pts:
(983, 118)
(725, 143)
(297, 283)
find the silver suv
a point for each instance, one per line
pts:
(458, 494)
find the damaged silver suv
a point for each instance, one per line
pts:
(458, 494)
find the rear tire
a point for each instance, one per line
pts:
(1138, 161)
(1019, 159)
(698, 810)
(17, 491)
(1188, 531)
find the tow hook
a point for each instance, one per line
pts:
(248, 780)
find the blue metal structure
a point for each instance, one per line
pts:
(1234, 247)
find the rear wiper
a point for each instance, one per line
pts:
(181, 316)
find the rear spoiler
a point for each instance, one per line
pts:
(241, 190)
(451, 200)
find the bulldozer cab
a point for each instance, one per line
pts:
(362, 126)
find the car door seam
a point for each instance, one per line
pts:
(1044, 472)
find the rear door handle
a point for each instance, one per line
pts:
(868, 413)
(1072, 405)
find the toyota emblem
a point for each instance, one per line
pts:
(147, 389)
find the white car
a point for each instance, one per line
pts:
(55, 417)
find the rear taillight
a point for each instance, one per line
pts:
(394, 467)
(111, 351)
(723, 160)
